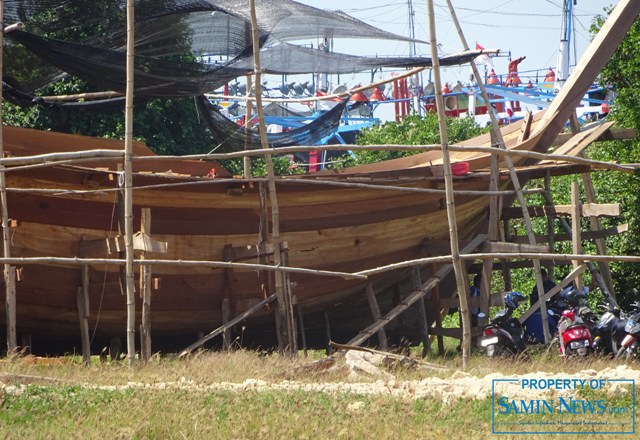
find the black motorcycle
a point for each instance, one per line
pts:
(608, 331)
(505, 335)
(630, 345)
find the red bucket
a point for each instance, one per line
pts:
(460, 168)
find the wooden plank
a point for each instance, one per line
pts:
(239, 253)
(613, 134)
(587, 210)
(106, 246)
(561, 285)
(579, 142)
(504, 246)
(586, 235)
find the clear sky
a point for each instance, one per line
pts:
(528, 28)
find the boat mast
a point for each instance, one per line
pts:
(564, 52)
(416, 82)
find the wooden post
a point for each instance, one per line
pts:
(83, 315)
(506, 274)
(145, 289)
(461, 283)
(26, 343)
(596, 225)
(327, 332)
(375, 312)
(576, 230)
(438, 306)
(512, 172)
(226, 312)
(285, 305)
(9, 272)
(550, 228)
(128, 192)
(423, 326)
(303, 336)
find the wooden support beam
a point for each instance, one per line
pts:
(613, 134)
(26, 344)
(579, 142)
(575, 274)
(248, 252)
(303, 335)
(586, 210)
(106, 246)
(576, 227)
(503, 246)
(413, 297)
(596, 226)
(327, 332)
(435, 299)
(375, 312)
(229, 324)
(423, 326)
(226, 313)
(10, 286)
(586, 235)
(84, 327)
(145, 290)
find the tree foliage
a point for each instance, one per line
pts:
(413, 130)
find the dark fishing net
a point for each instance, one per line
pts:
(183, 47)
(227, 133)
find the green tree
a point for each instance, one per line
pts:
(413, 130)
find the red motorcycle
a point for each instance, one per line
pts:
(574, 337)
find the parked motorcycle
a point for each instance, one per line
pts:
(505, 335)
(573, 335)
(608, 332)
(630, 346)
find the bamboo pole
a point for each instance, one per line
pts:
(319, 182)
(74, 261)
(461, 282)
(9, 280)
(512, 172)
(285, 305)
(128, 195)
(246, 160)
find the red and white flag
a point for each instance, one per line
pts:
(484, 58)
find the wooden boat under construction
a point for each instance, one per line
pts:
(203, 218)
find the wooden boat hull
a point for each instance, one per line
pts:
(325, 227)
